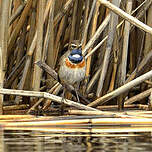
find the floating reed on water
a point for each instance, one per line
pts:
(116, 42)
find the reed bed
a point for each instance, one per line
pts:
(116, 39)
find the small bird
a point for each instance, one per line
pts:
(72, 65)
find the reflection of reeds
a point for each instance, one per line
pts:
(80, 125)
(100, 122)
(116, 52)
(92, 132)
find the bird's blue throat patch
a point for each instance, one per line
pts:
(75, 56)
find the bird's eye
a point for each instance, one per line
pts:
(73, 46)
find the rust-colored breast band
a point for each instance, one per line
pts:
(72, 65)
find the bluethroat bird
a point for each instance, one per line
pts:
(72, 66)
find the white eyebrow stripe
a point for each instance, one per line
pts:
(73, 45)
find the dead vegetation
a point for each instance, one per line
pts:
(116, 41)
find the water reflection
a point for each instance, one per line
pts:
(39, 141)
(1, 140)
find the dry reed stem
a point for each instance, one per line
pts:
(25, 39)
(37, 72)
(14, 74)
(93, 80)
(57, 40)
(16, 107)
(3, 45)
(92, 32)
(132, 106)
(97, 34)
(12, 117)
(86, 14)
(18, 27)
(140, 67)
(74, 18)
(123, 67)
(115, 64)
(125, 44)
(63, 11)
(55, 92)
(45, 95)
(16, 14)
(49, 40)
(109, 114)
(148, 37)
(142, 12)
(138, 97)
(96, 47)
(111, 33)
(30, 52)
(85, 32)
(127, 17)
(121, 89)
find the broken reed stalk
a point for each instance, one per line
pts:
(121, 89)
(126, 16)
(45, 95)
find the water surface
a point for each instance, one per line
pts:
(23, 140)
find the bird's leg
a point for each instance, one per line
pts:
(76, 91)
(77, 95)
(62, 101)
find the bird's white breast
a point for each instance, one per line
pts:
(71, 75)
